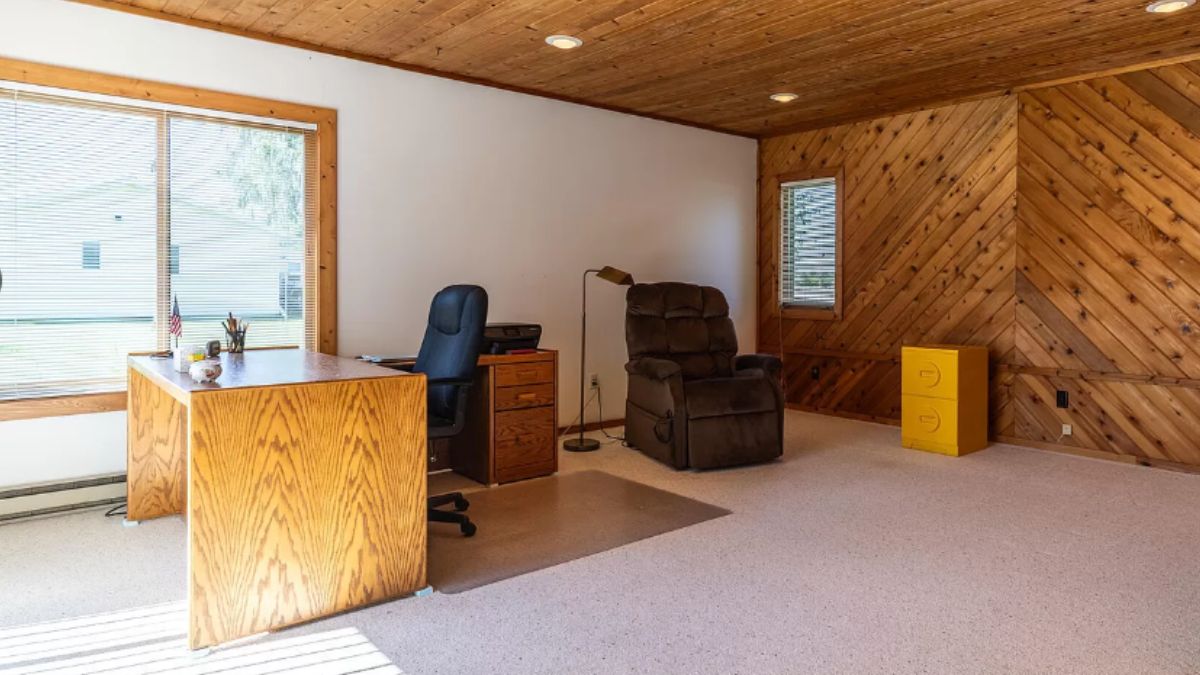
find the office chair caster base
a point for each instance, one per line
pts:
(461, 504)
(581, 445)
(437, 515)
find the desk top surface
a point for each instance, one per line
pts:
(264, 368)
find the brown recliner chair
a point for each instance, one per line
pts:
(692, 401)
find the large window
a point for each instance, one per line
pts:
(110, 209)
(809, 265)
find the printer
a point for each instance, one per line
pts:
(501, 338)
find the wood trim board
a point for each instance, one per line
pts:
(838, 174)
(325, 119)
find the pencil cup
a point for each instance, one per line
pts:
(236, 340)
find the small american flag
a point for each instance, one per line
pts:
(176, 325)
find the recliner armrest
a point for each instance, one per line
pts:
(652, 368)
(770, 364)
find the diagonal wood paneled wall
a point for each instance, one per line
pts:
(1109, 264)
(929, 249)
(1060, 227)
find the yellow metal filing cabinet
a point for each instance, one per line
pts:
(943, 404)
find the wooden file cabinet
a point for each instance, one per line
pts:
(512, 419)
(944, 399)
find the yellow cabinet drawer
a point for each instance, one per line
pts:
(929, 372)
(929, 424)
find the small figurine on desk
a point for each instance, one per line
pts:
(235, 332)
(206, 370)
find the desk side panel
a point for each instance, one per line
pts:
(156, 450)
(306, 500)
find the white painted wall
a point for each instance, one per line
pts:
(439, 182)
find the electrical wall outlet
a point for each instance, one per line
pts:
(594, 380)
(1061, 400)
(1066, 430)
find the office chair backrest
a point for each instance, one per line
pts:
(450, 349)
(685, 323)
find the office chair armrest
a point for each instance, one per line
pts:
(770, 365)
(652, 368)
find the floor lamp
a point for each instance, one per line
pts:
(611, 275)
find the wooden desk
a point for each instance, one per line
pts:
(512, 419)
(302, 478)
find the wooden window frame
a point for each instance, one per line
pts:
(810, 313)
(325, 119)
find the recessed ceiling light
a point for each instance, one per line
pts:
(784, 97)
(564, 41)
(1168, 6)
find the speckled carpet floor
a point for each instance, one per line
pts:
(849, 555)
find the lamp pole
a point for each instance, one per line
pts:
(616, 276)
(582, 444)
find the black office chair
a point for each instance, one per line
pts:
(448, 356)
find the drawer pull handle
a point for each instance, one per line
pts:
(527, 397)
(930, 374)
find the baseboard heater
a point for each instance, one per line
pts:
(46, 499)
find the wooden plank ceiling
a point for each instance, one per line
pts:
(713, 63)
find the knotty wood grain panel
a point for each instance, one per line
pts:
(1109, 256)
(929, 250)
(156, 450)
(1084, 278)
(713, 63)
(306, 500)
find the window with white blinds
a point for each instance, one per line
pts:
(111, 209)
(809, 253)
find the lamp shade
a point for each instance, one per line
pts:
(616, 276)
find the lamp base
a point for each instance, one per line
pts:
(581, 444)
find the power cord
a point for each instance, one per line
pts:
(604, 430)
(600, 405)
(118, 510)
(575, 421)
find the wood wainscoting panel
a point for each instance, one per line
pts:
(295, 516)
(155, 451)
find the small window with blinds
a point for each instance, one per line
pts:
(809, 269)
(110, 209)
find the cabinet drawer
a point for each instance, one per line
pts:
(524, 437)
(527, 396)
(524, 373)
(929, 424)
(929, 372)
